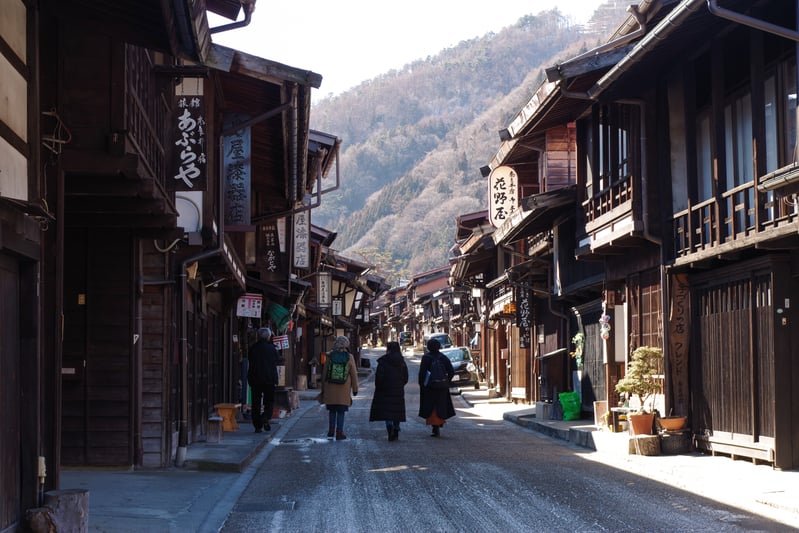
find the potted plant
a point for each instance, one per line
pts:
(642, 381)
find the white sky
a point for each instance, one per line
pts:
(350, 41)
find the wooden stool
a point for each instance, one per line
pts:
(228, 413)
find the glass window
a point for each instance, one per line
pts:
(616, 138)
(789, 104)
(738, 146)
(780, 116)
(704, 157)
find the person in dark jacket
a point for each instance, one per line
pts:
(262, 377)
(388, 402)
(435, 405)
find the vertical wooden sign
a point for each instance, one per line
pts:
(679, 342)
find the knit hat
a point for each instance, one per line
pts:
(341, 342)
(264, 333)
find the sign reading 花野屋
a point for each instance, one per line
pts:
(503, 195)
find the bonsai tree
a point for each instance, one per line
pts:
(642, 379)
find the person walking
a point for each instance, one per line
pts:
(339, 380)
(388, 402)
(435, 403)
(262, 377)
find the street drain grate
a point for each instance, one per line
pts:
(266, 506)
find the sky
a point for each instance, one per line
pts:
(350, 41)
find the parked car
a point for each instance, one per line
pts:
(442, 338)
(463, 364)
(406, 338)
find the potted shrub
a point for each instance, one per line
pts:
(642, 381)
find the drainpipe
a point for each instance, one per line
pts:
(713, 7)
(183, 425)
(664, 286)
(248, 6)
(559, 314)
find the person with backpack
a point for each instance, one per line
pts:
(435, 373)
(339, 379)
(262, 377)
(388, 402)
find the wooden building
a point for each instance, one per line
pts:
(684, 228)
(128, 231)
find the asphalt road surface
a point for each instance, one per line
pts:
(480, 475)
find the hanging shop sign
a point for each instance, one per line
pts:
(188, 165)
(302, 237)
(524, 317)
(281, 342)
(238, 169)
(269, 257)
(249, 305)
(503, 195)
(323, 289)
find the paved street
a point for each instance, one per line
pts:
(481, 475)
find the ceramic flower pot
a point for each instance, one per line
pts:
(673, 423)
(641, 423)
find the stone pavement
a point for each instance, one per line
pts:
(199, 496)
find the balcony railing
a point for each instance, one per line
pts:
(737, 216)
(598, 208)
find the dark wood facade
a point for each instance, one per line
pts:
(118, 323)
(28, 392)
(686, 194)
(744, 348)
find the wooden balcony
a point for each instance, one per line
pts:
(116, 173)
(146, 112)
(613, 219)
(740, 218)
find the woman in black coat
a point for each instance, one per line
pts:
(435, 405)
(389, 399)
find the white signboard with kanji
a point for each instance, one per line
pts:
(503, 194)
(302, 238)
(281, 342)
(249, 306)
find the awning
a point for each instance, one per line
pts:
(497, 281)
(532, 268)
(280, 288)
(781, 177)
(536, 214)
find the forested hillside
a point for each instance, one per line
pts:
(413, 140)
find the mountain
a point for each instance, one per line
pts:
(413, 140)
